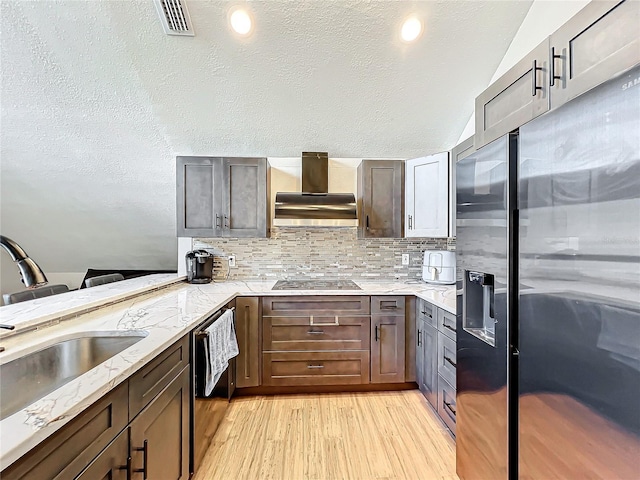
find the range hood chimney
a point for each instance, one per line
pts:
(314, 207)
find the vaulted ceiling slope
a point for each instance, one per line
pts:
(97, 101)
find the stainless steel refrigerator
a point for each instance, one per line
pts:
(548, 256)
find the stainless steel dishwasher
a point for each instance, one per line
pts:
(207, 411)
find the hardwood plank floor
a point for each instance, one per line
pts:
(372, 435)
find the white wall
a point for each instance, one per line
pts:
(97, 101)
(544, 18)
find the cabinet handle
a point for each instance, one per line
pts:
(449, 407)
(394, 307)
(367, 222)
(552, 68)
(534, 79)
(315, 366)
(226, 221)
(419, 335)
(128, 467)
(218, 223)
(450, 328)
(376, 333)
(410, 222)
(450, 361)
(315, 332)
(145, 455)
(427, 314)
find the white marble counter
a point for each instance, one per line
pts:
(164, 315)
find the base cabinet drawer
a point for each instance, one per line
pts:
(427, 312)
(146, 384)
(447, 323)
(67, 452)
(315, 368)
(312, 305)
(447, 404)
(447, 358)
(299, 333)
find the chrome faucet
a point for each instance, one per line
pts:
(32, 275)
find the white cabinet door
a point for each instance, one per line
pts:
(427, 196)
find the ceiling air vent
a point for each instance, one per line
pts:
(175, 17)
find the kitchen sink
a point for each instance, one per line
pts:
(38, 373)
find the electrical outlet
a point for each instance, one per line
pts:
(232, 261)
(405, 259)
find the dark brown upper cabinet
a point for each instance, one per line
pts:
(380, 198)
(222, 197)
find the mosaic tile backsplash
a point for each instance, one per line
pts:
(298, 253)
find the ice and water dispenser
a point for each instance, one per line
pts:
(478, 306)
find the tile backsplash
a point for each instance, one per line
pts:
(299, 253)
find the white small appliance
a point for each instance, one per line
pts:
(439, 267)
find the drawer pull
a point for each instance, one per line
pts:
(450, 361)
(449, 407)
(315, 366)
(427, 314)
(376, 333)
(336, 321)
(449, 327)
(315, 332)
(128, 467)
(145, 453)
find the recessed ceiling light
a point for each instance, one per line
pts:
(411, 29)
(241, 22)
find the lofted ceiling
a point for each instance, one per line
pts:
(97, 101)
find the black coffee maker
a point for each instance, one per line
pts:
(199, 266)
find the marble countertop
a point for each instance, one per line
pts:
(163, 307)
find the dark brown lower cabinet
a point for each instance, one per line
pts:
(67, 452)
(98, 442)
(387, 348)
(160, 433)
(248, 333)
(111, 464)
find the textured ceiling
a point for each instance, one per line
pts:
(97, 101)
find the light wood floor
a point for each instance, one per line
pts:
(373, 435)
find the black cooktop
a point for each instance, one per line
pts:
(315, 285)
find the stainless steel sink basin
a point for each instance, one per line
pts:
(38, 373)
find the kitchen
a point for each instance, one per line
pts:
(184, 308)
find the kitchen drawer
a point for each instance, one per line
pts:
(447, 404)
(156, 375)
(447, 323)
(321, 305)
(387, 305)
(69, 450)
(330, 333)
(315, 368)
(427, 312)
(447, 358)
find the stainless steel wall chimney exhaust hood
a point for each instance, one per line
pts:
(314, 207)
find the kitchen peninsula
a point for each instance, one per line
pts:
(163, 308)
